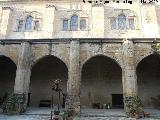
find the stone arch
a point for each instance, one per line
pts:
(117, 61)
(148, 79)
(107, 71)
(7, 75)
(44, 71)
(140, 58)
(38, 58)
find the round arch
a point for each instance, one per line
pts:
(148, 79)
(100, 74)
(44, 72)
(7, 75)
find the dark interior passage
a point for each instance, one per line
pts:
(101, 77)
(44, 72)
(7, 76)
(148, 75)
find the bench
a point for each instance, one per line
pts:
(45, 103)
(146, 114)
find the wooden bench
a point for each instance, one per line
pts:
(45, 103)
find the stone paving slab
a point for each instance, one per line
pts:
(42, 117)
(87, 114)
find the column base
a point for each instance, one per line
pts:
(133, 106)
(21, 102)
(73, 105)
(14, 104)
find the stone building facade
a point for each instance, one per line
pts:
(98, 50)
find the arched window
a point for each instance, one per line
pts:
(29, 21)
(121, 22)
(74, 22)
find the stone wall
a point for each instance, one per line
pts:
(98, 19)
(111, 62)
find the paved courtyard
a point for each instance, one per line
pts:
(87, 114)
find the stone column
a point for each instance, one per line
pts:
(73, 85)
(23, 72)
(129, 70)
(131, 98)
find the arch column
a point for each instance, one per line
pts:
(73, 85)
(129, 76)
(23, 72)
(129, 70)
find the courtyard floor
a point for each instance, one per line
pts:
(87, 114)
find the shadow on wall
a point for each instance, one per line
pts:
(7, 76)
(44, 72)
(148, 76)
(101, 77)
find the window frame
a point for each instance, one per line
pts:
(111, 23)
(18, 26)
(72, 24)
(122, 22)
(28, 24)
(129, 27)
(39, 25)
(80, 23)
(67, 25)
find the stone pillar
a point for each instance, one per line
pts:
(5, 18)
(73, 85)
(23, 72)
(129, 70)
(97, 21)
(149, 20)
(131, 99)
(49, 21)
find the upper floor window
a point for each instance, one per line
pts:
(131, 23)
(36, 25)
(83, 24)
(74, 23)
(20, 25)
(113, 23)
(29, 24)
(121, 22)
(29, 21)
(65, 24)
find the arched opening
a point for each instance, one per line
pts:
(148, 78)
(101, 83)
(7, 76)
(43, 73)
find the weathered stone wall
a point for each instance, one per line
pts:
(74, 53)
(81, 75)
(101, 77)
